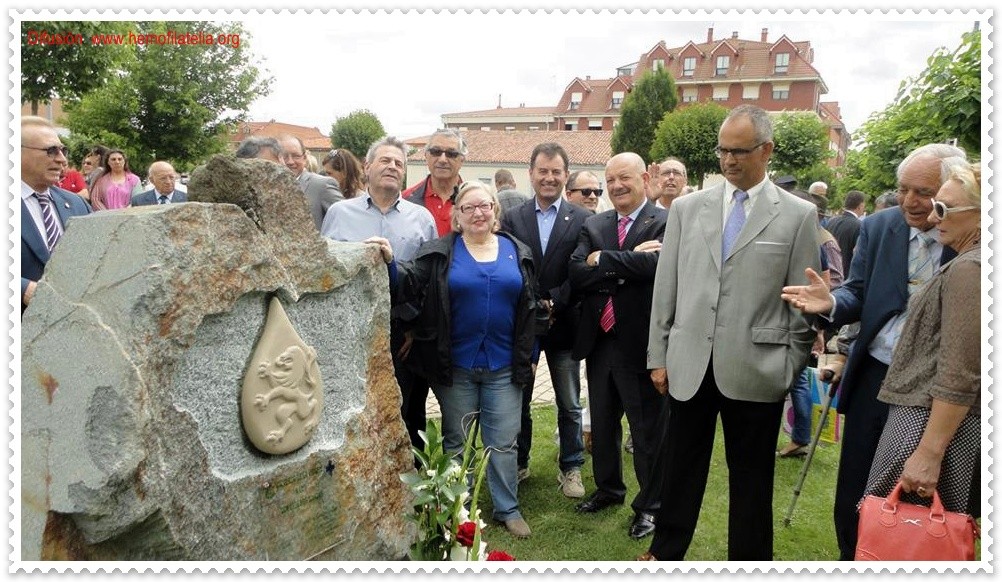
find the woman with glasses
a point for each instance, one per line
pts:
(932, 439)
(471, 303)
(117, 184)
(343, 166)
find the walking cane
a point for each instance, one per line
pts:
(827, 376)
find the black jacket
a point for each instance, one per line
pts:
(422, 295)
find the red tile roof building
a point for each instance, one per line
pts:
(315, 142)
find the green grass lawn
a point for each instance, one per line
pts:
(559, 533)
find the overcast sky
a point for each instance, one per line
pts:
(411, 68)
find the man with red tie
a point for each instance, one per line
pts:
(613, 269)
(45, 209)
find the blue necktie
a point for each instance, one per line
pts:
(735, 221)
(163, 200)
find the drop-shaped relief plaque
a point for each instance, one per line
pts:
(282, 394)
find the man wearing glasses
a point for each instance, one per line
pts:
(584, 190)
(668, 182)
(164, 180)
(721, 344)
(321, 191)
(45, 209)
(444, 153)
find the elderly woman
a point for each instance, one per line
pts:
(117, 184)
(932, 439)
(471, 301)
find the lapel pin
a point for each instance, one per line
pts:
(566, 218)
(66, 204)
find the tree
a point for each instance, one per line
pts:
(801, 140)
(690, 134)
(653, 96)
(62, 60)
(357, 131)
(174, 101)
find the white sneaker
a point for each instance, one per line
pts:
(570, 484)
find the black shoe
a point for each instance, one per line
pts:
(642, 526)
(597, 502)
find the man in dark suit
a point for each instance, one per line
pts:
(45, 209)
(549, 225)
(613, 269)
(845, 227)
(163, 177)
(321, 191)
(722, 344)
(895, 255)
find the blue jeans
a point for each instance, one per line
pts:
(565, 374)
(800, 397)
(498, 402)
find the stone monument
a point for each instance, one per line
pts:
(211, 381)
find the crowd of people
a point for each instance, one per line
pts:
(684, 307)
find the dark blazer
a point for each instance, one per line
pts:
(34, 254)
(845, 229)
(149, 198)
(551, 268)
(626, 275)
(876, 289)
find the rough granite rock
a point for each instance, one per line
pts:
(133, 352)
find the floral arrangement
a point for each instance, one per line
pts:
(449, 524)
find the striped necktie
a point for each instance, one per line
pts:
(163, 199)
(48, 220)
(608, 318)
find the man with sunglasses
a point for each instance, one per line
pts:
(896, 253)
(45, 209)
(445, 152)
(668, 182)
(584, 190)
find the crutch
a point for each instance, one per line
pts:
(828, 374)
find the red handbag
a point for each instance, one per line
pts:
(892, 530)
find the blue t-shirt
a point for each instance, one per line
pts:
(483, 301)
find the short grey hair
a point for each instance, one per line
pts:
(252, 146)
(817, 187)
(390, 141)
(940, 151)
(759, 118)
(451, 134)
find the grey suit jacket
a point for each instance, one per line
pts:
(731, 309)
(321, 192)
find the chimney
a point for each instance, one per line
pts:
(709, 34)
(587, 77)
(499, 101)
(765, 35)
(734, 34)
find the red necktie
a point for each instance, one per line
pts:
(608, 318)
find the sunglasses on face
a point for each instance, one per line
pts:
(942, 210)
(588, 191)
(436, 152)
(52, 151)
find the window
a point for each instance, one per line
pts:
(594, 124)
(485, 128)
(723, 63)
(617, 99)
(721, 92)
(533, 128)
(749, 91)
(624, 71)
(689, 66)
(575, 100)
(689, 95)
(570, 126)
(782, 63)
(780, 91)
(658, 64)
(509, 128)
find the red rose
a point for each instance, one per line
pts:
(465, 533)
(499, 556)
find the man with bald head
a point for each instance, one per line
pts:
(668, 181)
(164, 180)
(613, 268)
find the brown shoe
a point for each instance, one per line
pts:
(646, 557)
(518, 528)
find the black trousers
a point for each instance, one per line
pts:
(413, 390)
(613, 390)
(865, 417)
(750, 433)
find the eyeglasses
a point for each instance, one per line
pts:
(738, 153)
(52, 151)
(295, 156)
(484, 207)
(942, 210)
(587, 191)
(436, 152)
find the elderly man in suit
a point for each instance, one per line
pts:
(45, 209)
(897, 252)
(721, 341)
(163, 177)
(321, 191)
(613, 269)
(549, 225)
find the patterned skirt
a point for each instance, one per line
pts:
(961, 463)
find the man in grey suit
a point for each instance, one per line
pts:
(163, 177)
(321, 191)
(722, 342)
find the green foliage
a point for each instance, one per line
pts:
(357, 131)
(51, 69)
(690, 134)
(801, 140)
(653, 96)
(173, 102)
